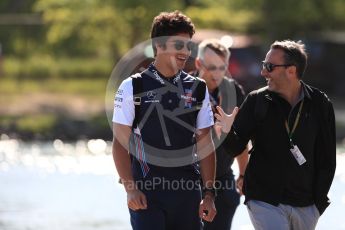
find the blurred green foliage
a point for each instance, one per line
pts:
(43, 66)
(36, 124)
(94, 27)
(52, 126)
(91, 87)
(107, 29)
(53, 108)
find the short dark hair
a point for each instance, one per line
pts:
(169, 24)
(294, 53)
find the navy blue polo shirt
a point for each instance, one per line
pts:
(163, 143)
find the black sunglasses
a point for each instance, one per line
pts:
(179, 45)
(270, 67)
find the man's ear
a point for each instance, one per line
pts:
(197, 63)
(292, 70)
(160, 46)
(157, 45)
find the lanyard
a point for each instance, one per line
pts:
(216, 101)
(156, 76)
(290, 133)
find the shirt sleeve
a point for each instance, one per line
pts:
(205, 116)
(123, 104)
(240, 94)
(325, 157)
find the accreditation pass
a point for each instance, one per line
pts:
(298, 155)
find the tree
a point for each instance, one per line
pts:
(97, 26)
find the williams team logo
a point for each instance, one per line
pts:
(188, 99)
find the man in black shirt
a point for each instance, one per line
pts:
(212, 64)
(292, 127)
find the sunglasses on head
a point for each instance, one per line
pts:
(270, 67)
(179, 45)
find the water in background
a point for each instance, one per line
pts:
(73, 186)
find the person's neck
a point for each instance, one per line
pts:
(211, 90)
(209, 87)
(164, 69)
(292, 93)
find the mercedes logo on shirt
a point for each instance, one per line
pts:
(151, 95)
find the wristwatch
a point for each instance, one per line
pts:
(207, 190)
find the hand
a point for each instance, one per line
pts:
(218, 130)
(207, 209)
(225, 120)
(239, 184)
(136, 200)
